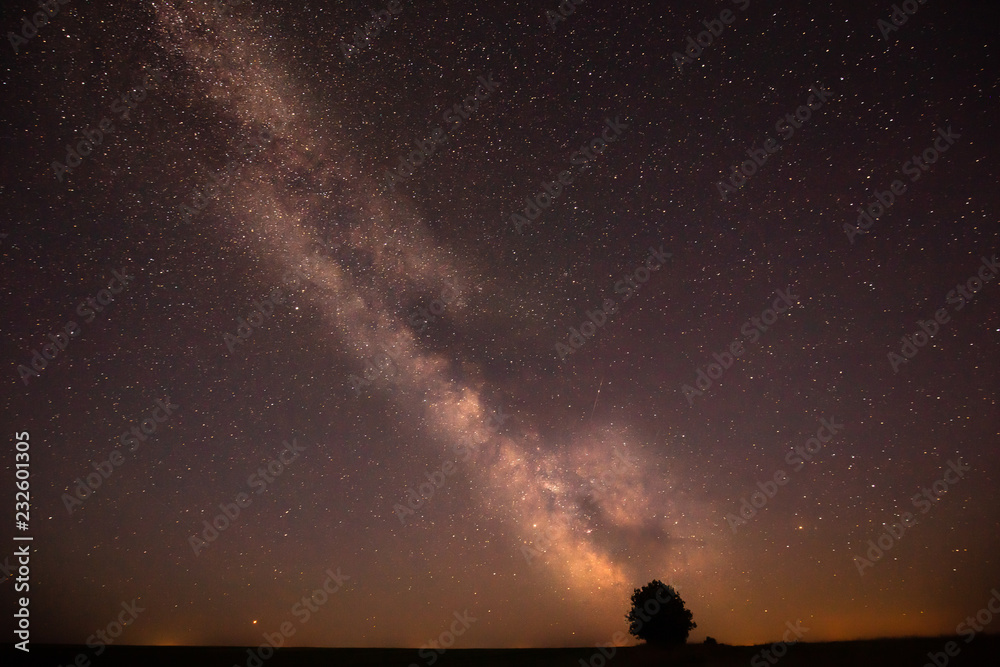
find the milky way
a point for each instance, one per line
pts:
(518, 478)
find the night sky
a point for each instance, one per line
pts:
(591, 296)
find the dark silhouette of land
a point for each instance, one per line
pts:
(983, 651)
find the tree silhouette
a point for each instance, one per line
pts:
(658, 615)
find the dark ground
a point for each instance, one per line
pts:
(984, 651)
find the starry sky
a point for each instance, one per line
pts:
(524, 265)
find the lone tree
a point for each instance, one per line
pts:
(658, 615)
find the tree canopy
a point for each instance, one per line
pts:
(658, 615)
